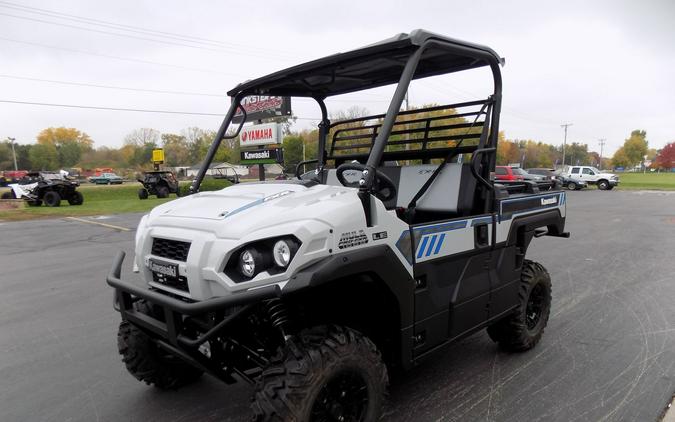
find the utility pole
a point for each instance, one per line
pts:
(602, 144)
(564, 125)
(11, 141)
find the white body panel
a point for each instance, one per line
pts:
(218, 223)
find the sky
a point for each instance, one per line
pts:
(607, 67)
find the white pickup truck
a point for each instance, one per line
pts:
(592, 176)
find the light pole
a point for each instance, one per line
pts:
(565, 125)
(602, 144)
(11, 142)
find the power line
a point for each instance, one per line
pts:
(89, 85)
(136, 110)
(91, 53)
(128, 28)
(138, 38)
(602, 144)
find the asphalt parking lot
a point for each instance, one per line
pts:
(608, 353)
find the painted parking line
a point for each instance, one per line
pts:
(97, 223)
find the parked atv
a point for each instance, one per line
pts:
(160, 183)
(45, 187)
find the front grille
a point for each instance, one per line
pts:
(179, 282)
(172, 249)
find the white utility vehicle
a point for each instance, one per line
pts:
(314, 289)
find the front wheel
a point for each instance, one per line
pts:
(327, 373)
(603, 185)
(571, 186)
(142, 193)
(147, 362)
(523, 329)
(52, 199)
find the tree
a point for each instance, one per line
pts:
(666, 157)
(140, 144)
(44, 157)
(635, 147)
(620, 159)
(176, 151)
(292, 152)
(70, 143)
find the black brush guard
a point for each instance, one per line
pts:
(168, 333)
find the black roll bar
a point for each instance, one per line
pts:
(220, 135)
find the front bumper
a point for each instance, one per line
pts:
(169, 330)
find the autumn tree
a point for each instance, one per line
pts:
(636, 147)
(666, 157)
(69, 144)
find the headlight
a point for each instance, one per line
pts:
(283, 251)
(273, 255)
(251, 262)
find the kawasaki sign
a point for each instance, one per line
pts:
(262, 156)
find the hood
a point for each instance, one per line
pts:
(238, 209)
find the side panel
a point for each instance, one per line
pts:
(453, 292)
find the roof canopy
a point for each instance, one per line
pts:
(371, 66)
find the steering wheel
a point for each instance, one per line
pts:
(385, 189)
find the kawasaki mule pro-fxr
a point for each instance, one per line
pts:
(314, 289)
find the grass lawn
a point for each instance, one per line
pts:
(101, 200)
(657, 181)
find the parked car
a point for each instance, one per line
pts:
(507, 173)
(571, 183)
(528, 176)
(548, 173)
(44, 186)
(592, 176)
(107, 179)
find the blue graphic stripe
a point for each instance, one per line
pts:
(440, 243)
(420, 251)
(431, 245)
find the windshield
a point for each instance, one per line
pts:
(519, 171)
(595, 170)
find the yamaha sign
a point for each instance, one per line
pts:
(266, 134)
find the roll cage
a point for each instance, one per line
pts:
(399, 60)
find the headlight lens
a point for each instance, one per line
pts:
(282, 253)
(250, 260)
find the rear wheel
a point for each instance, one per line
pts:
(162, 192)
(76, 198)
(8, 195)
(325, 374)
(52, 199)
(523, 329)
(143, 193)
(147, 362)
(571, 186)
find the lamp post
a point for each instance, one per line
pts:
(11, 142)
